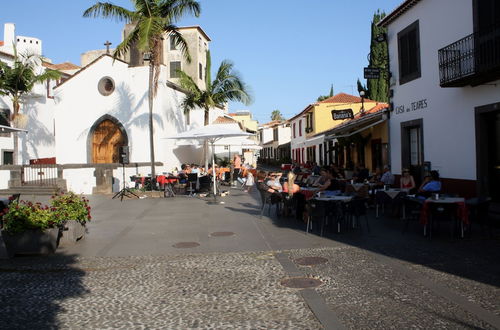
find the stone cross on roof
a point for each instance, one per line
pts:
(107, 44)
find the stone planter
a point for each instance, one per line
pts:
(31, 242)
(71, 232)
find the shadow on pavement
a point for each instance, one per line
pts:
(32, 289)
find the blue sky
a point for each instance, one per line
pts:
(288, 51)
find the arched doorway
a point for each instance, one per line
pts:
(107, 137)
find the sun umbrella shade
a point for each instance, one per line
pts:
(7, 129)
(210, 133)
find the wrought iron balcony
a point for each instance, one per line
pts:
(472, 60)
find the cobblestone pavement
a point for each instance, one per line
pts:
(376, 280)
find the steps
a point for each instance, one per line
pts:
(30, 190)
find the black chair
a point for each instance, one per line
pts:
(356, 209)
(316, 210)
(442, 213)
(381, 199)
(412, 208)
(192, 179)
(479, 208)
(269, 199)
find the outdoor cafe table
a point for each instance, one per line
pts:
(389, 195)
(308, 192)
(461, 210)
(336, 199)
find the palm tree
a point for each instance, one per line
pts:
(227, 86)
(18, 79)
(276, 115)
(152, 19)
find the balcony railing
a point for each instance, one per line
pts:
(472, 60)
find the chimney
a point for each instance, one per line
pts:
(9, 36)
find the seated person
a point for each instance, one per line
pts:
(331, 184)
(290, 186)
(273, 181)
(265, 189)
(183, 174)
(376, 176)
(195, 169)
(407, 181)
(361, 174)
(387, 178)
(430, 185)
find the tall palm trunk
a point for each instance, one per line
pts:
(151, 131)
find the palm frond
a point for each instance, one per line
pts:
(188, 83)
(173, 10)
(179, 40)
(109, 10)
(126, 44)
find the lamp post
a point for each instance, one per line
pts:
(362, 95)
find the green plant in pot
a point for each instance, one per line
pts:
(30, 228)
(74, 212)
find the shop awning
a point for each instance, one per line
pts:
(357, 125)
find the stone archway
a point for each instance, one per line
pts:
(107, 136)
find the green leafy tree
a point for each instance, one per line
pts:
(227, 86)
(362, 88)
(152, 19)
(378, 88)
(18, 79)
(276, 115)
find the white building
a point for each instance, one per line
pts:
(81, 123)
(446, 92)
(275, 139)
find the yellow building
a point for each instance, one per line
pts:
(245, 119)
(320, 141)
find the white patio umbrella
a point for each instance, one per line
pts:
(212, 134)
(7, 129)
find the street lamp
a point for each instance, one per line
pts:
(362, 95)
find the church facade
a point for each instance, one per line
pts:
(80, 124)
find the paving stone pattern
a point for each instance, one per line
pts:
(366, 294)
(218, 291)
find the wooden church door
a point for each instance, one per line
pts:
(106, 140)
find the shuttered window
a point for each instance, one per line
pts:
(174, 66)
(409, 53)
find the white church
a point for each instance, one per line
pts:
(75, 126)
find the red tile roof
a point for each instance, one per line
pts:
(377, 108)
(224, 120)
(61, 66)
(344, 98)
(1, 43)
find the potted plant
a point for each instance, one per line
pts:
(30, 228)
(74, 212)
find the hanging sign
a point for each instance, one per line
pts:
(371, 73)
(342, 114)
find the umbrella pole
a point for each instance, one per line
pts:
(214, 172)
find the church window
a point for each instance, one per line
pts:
(106, 86)
(7, 157)
(172, 44)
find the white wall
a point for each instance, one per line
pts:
(4, 179)
(448, 119)
(80, 181)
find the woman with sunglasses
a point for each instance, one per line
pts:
(407, 181)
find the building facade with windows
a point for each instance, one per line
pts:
(275, 141)
(446, 92)
(310, 126)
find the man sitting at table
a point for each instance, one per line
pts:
(387, 177)
(430, 185)
(331, 186)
